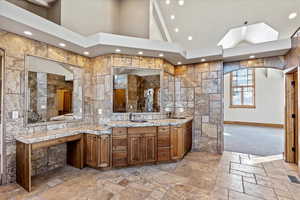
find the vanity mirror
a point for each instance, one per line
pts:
(136, 90)
(53, 92)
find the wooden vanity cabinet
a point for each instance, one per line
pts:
(97, 150)
(142, 145)
(119, 147)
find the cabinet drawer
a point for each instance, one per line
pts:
(119, 131)
(119, 158)
(164, 154)
(163, 140)
(119, 143)
(163, 129)
(142, 130)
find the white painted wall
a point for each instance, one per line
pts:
(269, 99)
(90, 16)
(123, 17)
(134, 18)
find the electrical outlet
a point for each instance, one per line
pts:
(15, 114)
(43, 106)
(100, 111)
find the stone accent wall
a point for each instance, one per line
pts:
(199, 92)
(16, 47)
(102, 79)
(293, 57)
(276, 62)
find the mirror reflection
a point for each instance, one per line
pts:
(136, 90)
(50, 91)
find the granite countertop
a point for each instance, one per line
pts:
(96, 130)
(59, 133)
(162, 122)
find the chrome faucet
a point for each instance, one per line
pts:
(130, 116)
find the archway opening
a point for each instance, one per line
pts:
(254, 111)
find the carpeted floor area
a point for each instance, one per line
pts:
(253, 140)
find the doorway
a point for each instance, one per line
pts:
(254, 111)
(291, 115)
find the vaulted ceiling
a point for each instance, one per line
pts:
(207, 21)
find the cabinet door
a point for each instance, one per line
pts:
(91, 150)
(177, 143)
(135, 150)
(149, 148)
(104, 151)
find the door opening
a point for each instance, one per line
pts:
(291, 116)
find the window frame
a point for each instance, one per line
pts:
(242, 93)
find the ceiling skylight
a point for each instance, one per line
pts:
(253, 34)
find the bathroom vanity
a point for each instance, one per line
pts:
(135, 130)
(118, 144)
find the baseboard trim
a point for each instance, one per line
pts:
(254, 124)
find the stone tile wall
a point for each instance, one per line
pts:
(199, 92)
(293, 57)
(16, 48)
(276, 62)
(102, 80)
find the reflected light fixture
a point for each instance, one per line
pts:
(293, 15)
(181, 2)
(27, 33)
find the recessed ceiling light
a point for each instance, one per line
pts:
(181, 2)
(27, 33)
(86, 53)
(168, 2)
(161, 55)
(140, 53)
(176, 30)
(62, 44)
(252, 56)
(172, 17)
(293, 15)
(179, 63)
(203, 60)
(118, 50)
(190, 38)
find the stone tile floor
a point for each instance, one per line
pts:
(199, 176)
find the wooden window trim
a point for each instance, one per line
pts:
(253, 86)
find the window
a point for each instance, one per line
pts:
(242, 90)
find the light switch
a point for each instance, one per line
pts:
(100, 111)
(80, 110)
(15, 114)
(43, 107)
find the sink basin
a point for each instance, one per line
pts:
(178, 118)
(138, 121)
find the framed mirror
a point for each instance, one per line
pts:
(136, 90)
(53, 91)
